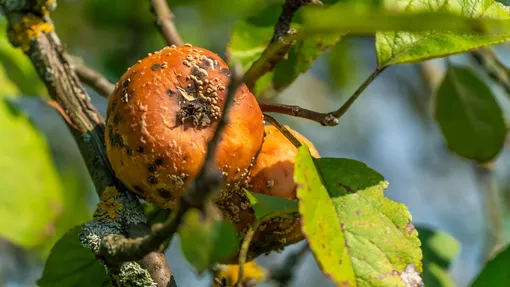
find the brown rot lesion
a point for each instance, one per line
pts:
(199, 97)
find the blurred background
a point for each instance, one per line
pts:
(390, 128)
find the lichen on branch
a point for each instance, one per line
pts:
(27, 29)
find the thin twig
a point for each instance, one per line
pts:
(493, 66)
(87, 126)
(282, 40)
(92, 78)
(284, 273)
(283, 130)
(345, 107)
(325, 119)
(207, 182)
(165, 22)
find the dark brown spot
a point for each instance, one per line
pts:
(138, 188)
(170, 93)
(114, 104)
(153, 180)
(156, 67)
(139, 149)
(117, 140)
(116, 119)
(158, 161)
(129, 151)
(126, 83)
(165, 193)
(358, 212)
(151, 168)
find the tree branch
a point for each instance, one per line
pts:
(31, 29)
(91, 78)
(165, 21)
(289, 8)
(118, 248)
(283, 39)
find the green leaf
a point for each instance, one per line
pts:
(342, 63)
(264, 205)
(373, 238)
(9, 89)
(71, 264)
(345, 176)
(206, 240)
(75, 206)
(250, 37)
(441, 277)
(397, 47)
(320, 223)
(31, 197)
(495, 272)
(20, 70)
(438, 250)
(469, 116)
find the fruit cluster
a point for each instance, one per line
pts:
(162, 114)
